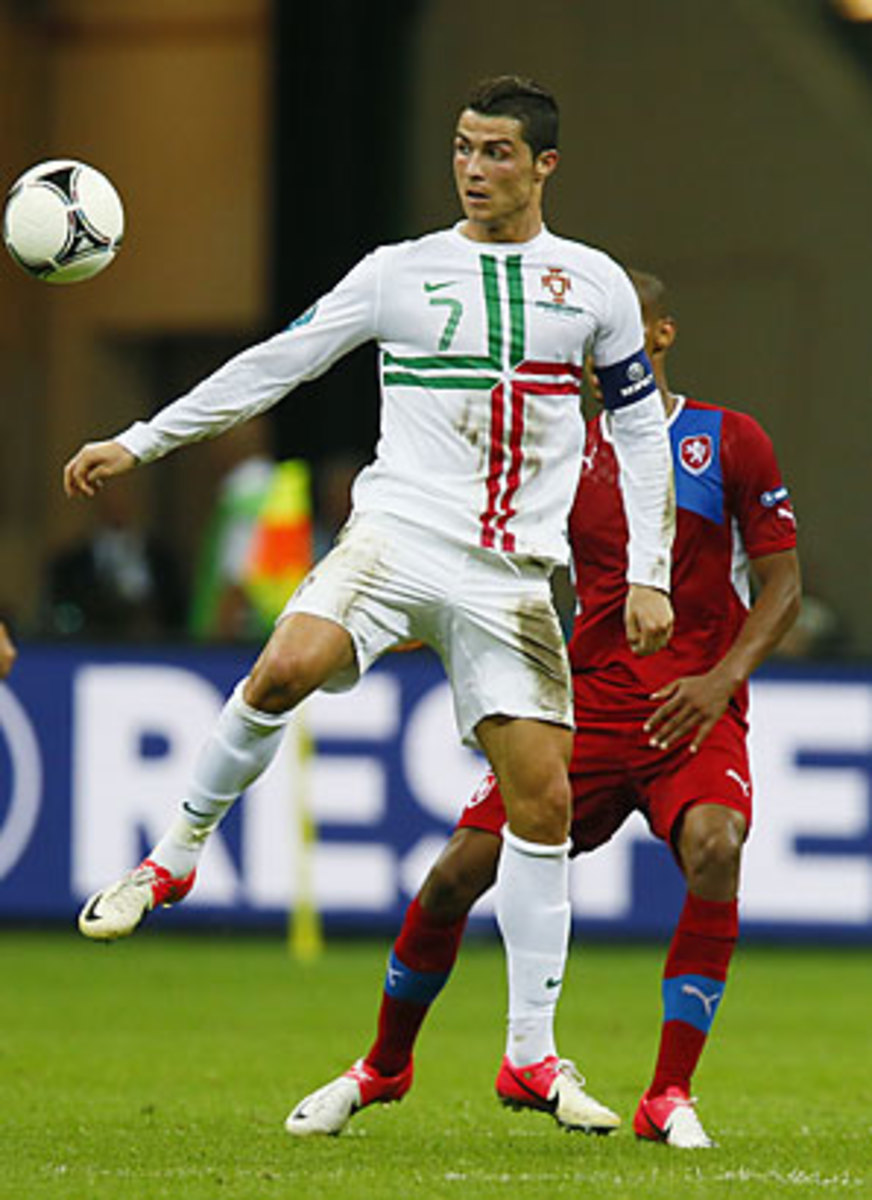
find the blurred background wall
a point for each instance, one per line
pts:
(261, 147)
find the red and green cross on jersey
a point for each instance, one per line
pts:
(504, 372)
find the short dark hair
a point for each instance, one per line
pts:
(652, 293)
(525, 100)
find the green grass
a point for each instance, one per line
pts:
(164, 1067)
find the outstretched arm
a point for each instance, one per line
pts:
(242, 388)
(694, 703)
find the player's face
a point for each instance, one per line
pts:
(498, 180)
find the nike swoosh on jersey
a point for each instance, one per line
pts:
(436, 287)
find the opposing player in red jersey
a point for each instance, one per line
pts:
(665, 735)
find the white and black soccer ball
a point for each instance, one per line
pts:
(63, 221)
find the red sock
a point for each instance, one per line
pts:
(418, 969)
(693, 984)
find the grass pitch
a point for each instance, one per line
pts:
(164, 1067)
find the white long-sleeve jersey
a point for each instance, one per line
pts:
(481, 353)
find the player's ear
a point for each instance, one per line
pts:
(665, 333)
(545, 164)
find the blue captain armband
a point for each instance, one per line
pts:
(627, 381)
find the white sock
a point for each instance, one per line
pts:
(241, 746)
(533, 913)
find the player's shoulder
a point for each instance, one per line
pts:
(425, 245)
(745, 448)
(737, 424)
(598, 285)
(590, 259)
(441, 249)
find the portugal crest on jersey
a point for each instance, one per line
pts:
(696, 452)
(558, 284)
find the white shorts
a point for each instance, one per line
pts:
(489, 617)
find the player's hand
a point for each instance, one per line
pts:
(648, 619)
(690, 705)
(8, 653)
(88, 470)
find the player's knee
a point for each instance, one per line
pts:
(542, 814)
(711, 851)
(448, 893)
(302, 654)
(281, 678)
(466, 870)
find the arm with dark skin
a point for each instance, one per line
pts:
(694, 703)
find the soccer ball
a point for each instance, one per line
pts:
(63, 221)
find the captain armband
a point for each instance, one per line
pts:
(627, 381)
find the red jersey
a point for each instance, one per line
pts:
(731, 507)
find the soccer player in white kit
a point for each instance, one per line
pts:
(455, 527)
